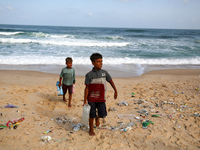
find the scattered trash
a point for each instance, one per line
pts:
(140, 101)
(2, 126)
(146, 123)
(11, 106)
(52, 128)
(143, 113)
(46, 138)
(77, 127)
(155, 115)
(14, 123)
(170, 116)
(127, 116)
(122, 103)
(137, 117)
(63, 120)
(126, 129)
(133, 94)
(196, 114)
(112, 109)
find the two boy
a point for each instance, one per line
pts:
(95, 88)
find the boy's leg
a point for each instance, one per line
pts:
(64, 92)
(70, 95)
(92, 117)
(101, 112)
(91, 131)
(70, 98)
(97, 121)
(64, 98)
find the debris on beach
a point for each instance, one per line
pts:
(12, 123)
(11, 106)
(122, 103)
(63, 120)
(133, 94)
(112, 109)
(78, 126)
(145, 124)
(52, 128)
(46, 138)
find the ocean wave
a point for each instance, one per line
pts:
(10, 33)
(85, 43)
(197, 41)
(114, 38)
(44, 60)
(153, 61)
(167, 37)
(37, 34)
(46, 35)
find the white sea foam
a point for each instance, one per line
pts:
(87, 43)
(31, 60)
(41, 34)
(10, 33)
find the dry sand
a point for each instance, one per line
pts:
(172, 94)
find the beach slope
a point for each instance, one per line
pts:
(171, 96)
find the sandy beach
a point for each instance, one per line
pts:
(169, 100)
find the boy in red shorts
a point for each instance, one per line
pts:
(95, 89)
(68, 76)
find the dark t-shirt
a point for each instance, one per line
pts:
(96, 80)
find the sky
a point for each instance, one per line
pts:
(167, 14)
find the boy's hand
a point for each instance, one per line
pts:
(59, 85)
(115, 95)
(84, 103)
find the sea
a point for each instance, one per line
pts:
(127, 52)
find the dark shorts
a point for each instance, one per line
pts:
(101, 107)
(67, 87)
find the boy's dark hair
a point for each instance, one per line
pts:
(68, 59)
(95, 56)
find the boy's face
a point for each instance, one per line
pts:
(69, 64)
(98, 63)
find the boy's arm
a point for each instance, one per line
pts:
(60, 81)
(74, 80)
(86, 94)
(113, 86)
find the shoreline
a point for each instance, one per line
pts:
(167, 72)
(117, 71)
(174, 95)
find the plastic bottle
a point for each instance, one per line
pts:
(59, 89)
(85, 114)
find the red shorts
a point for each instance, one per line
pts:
(67, 87)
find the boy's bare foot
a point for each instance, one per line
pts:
(97, 121)
(69, 106)
(91, 133)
